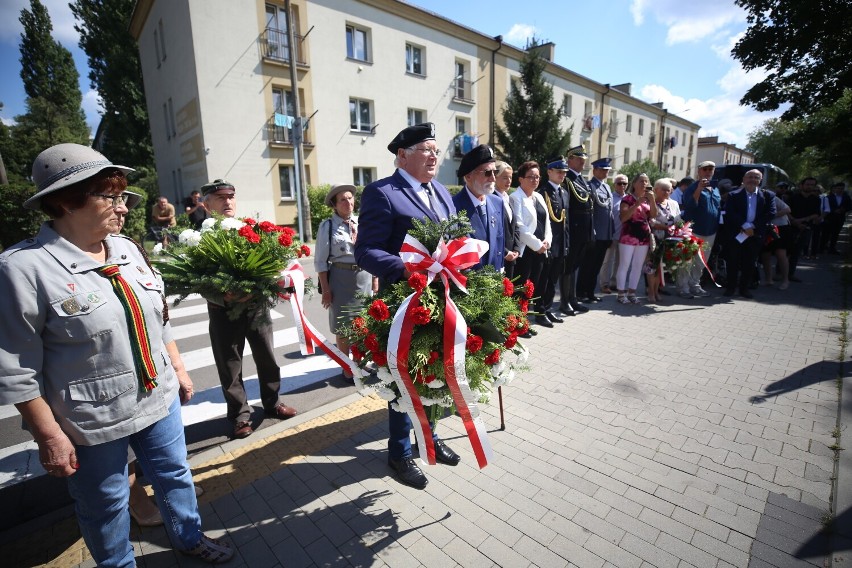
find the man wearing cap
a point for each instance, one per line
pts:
(388, 207)
(580, 228)
(228, 339)
(556, 200)
(483, 208)
(604, 228)
(701, 205)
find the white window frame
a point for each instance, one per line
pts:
(626, 156)
(357, 125)
(410, 66)
(352, 31)
(358, 177)
(641, 126)
(638, 155)
(413, 118)
(628, 123)
(567, 102)
(291, 182)
(162, 39)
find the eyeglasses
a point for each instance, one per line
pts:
(488, 173)
(116, 199)
(433, 151)
(536, 178)
(621, 183)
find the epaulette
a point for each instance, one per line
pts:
(24, 244)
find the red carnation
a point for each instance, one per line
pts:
(417, 281)
(356, 353)
(285, 240)
(287, 230)
(524, 327)
(249, 221)
(371, 342)
(268, 227)
(508, 287)
(512, 322)
(494, 358)
(380, 359)
(248, 234)
(524, 305)
(428, 379)
(304, 250)
(529, 289)
(359, 325)
(379, 310)
(421, 315)
(511, 341)
(433, 356)
(474, 343)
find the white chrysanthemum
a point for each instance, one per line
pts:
(395, 407)
(497, 370)
(386, 393)
(436, 384)
(432, 401)
(384, 375)
(231, 223)
(484, 398)
(208, 225)
(523, 355)
(158, 249)
(189, 237)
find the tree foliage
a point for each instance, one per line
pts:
(530, 129)
(116, 73)
(18, 223)
(826, 131)
(806, 48)
(646, 166)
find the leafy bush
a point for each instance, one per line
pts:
(18, 223)
(135, 223)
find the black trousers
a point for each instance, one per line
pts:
(228, 340)
(741, 259)
(590, 267)
(509, 269)
(529, 267)
(552, 275)
(568, 285)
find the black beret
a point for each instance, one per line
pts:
(215, 186)
(482, 154)
(411, 136)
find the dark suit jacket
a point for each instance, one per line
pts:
(559, 246)
(387, 207)
(845, 203)
(511, 231)
(736, 210)
(494, 213)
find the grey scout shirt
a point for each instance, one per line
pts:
(64, 336)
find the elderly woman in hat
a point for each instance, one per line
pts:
(334, 259)
(84, 357)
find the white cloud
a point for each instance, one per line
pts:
(8, 121)
(519, 34)
(687, 21)
(92, 107)
(60, 16)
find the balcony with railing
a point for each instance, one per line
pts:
(275, 45)
(281, 131)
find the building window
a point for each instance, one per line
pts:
(463, 142)
(626, 156)
(357, 43)
(166, 122)
(681, 162)
(287, 179)
(413, 59)
(683, 139)
(157, 47)
(362, 176)
(172, 117)
(284, 117)
(360, 115)
(416, 116)
(463, 85)
(641, 126)
(610, 151)
(638, 155)
(613, 123)
(162, 40)
(566, 105)
(628, 123)
(277, 34)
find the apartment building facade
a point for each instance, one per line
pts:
(709, 148)
(220, 97)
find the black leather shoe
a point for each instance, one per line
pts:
(409, 472)
(567, 311)
(543, 321)
(553, 317)
(578, 307)
(532, 332)
(592, 298)
(443, 454)
(746, 294)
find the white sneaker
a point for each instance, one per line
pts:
(700, 292)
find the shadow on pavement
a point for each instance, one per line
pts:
(808, 376)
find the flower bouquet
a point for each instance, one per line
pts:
(443, 338)
(240, 258)
(679, 248)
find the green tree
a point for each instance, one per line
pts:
(530, 129)
(825, 133)
(18, 223)
(646, 166)
(116, 73)
(806, 48)
(773, 142)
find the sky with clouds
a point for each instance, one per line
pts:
(671, 51)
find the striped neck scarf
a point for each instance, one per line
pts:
(139, 343)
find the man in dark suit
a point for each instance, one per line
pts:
(749, 212)
(483, 208)
(556, 199)
(581, 229)
(604, 226)
(838, 204)
(387, 209)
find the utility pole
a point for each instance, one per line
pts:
(305, 231)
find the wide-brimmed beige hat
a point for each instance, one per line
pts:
(338, 188)
(133, 199)
(63, 165)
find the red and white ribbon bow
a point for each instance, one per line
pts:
(446, 263)
(309, 337)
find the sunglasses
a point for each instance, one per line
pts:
(621, 183)
(488, 173)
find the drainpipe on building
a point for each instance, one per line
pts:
(499, 40)
(600, 134)
(304, 217)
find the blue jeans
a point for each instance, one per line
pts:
(101, 492)
(399, 441)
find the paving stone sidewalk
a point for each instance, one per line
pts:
(697, 433)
